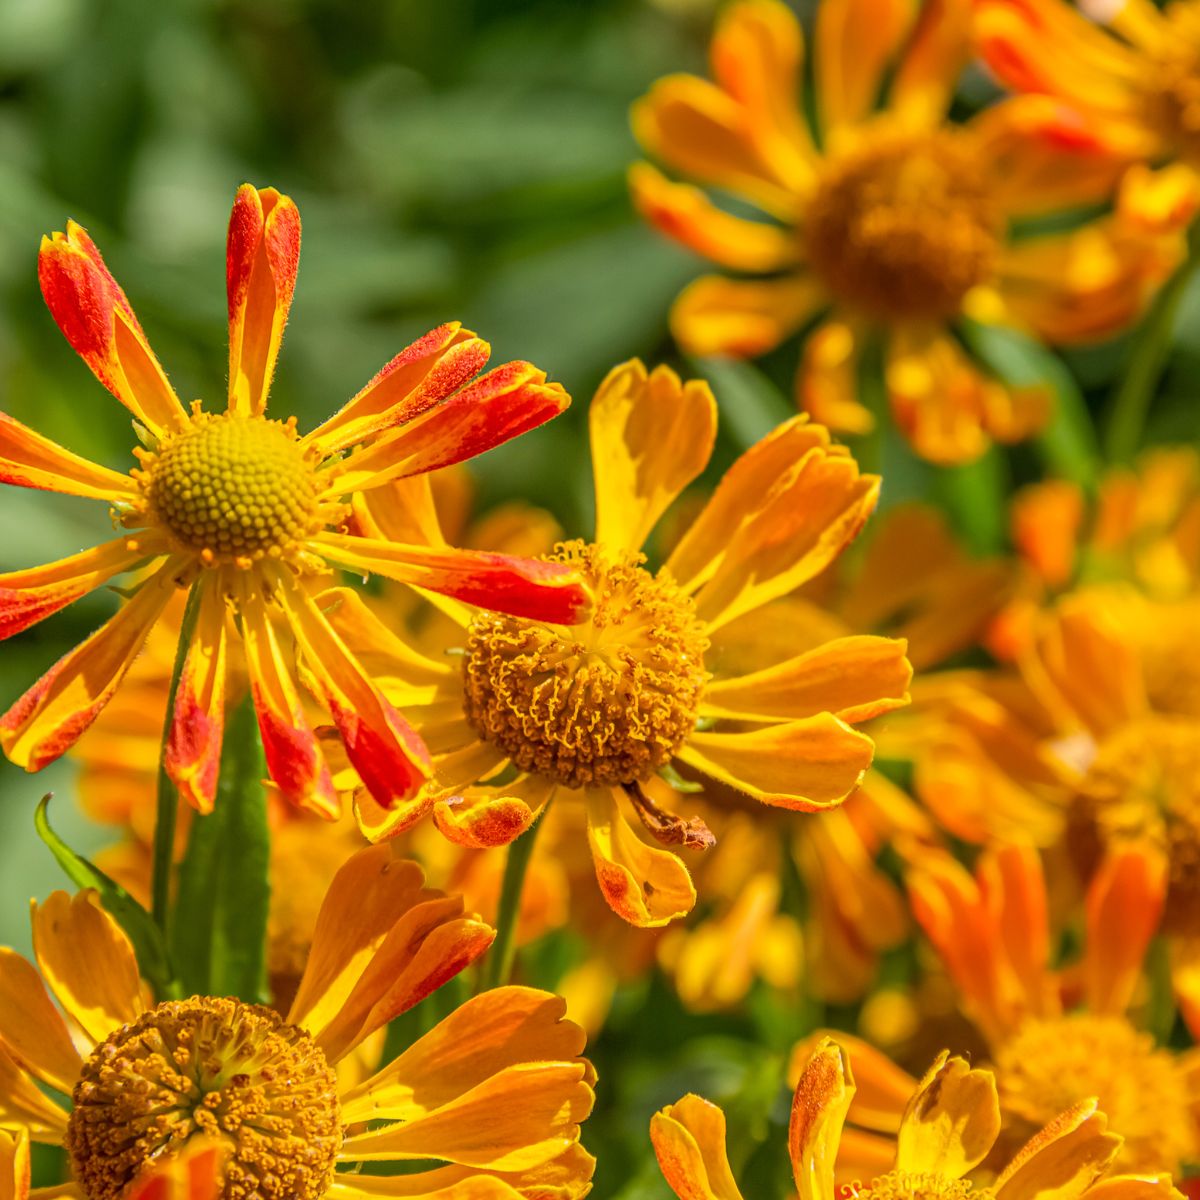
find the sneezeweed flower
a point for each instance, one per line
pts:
(992, 931)
(949, 1126)
(496, 1091)
(526, 710)
(894, 223)
(244, 511)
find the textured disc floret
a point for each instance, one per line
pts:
(234, 1072)
(917, 1185)
(902, 227)
(608, 702)
(234, 486)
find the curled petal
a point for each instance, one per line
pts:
(27, 459)
(951, 1122)
(689, 1143)
(482, 818)
(823, 1096)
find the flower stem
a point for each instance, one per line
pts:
(168, 794)
(499, 964)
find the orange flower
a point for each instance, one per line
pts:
(949, 1126)
(526, 710)
(244, 512)
(894, 223)
(495, 1091)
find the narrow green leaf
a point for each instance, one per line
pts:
(219, 931)
(137, 923)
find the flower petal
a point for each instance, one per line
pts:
(32, 1030)
(541, 591)
(819, 1107)
(48, 719)
(827, 380)
(24, 1105)
(87, 961)
(14, 1165)
(743, 318)
(192, 1174)
(689, 1143)
(855, 678)
(934, 57)
(444, 1183)
(646, 885)
(262, 255)
(30, 595)
(951, 1122)
(881, 1088)
(803, 765)
(480, 818)
(651, 435)
(27, 459)
(95, 317)
(1062, 1160)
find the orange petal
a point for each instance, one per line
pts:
(541, 591)
(444, 1183)
(1062, 1160)
(827, 381)
(95, 317)
(48, 719)
(803, 765)
(651, 435)
(951, 1122)
(854, 678)
(31, 1029)
(14, 1165)
(27, 459)
(31, 595)
(262, 256)
(646, 885)
(87, 961)
(192, 757)
(882, 1089)
(1124, 907)
(743, 318)
(490, 1032)
(689, 1143)
(480, 818)
(1013, 886)
(819, 1107)
(193, 1174)
(23, 1105)
(934, 57)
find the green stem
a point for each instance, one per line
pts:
(168, 794)
(1131, 402)
(499, 964)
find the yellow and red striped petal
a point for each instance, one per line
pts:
(646, 885)
(854, 678)
(1062, 1160)
(541, 591)
(27, 459)
(262, 256)
(192, 756)
(689, 1143)
(294, 758)
(819, 1106)
(743, 318)
(803, 765)
(96, 318)
(14, 1165)
(48, 719)
(35, 593)
(193, 1174)
(651, 435)
(32, 1030)
(503, 404)
(389, 756)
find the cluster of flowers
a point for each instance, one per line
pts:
(673, 729)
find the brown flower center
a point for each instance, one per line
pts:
(214, 1066)
(608, 702)
(901, 225)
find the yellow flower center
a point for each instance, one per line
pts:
(901, 226)
(608, 702)
(233, 487)
(916, 1185)
(234, 1072)
(1049, 1065)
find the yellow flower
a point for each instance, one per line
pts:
(524, 710)
(949, 1126)
(895, 223)
(245, 512)
(496, 1091)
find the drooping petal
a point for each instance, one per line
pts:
(651, 435)
(47, 720)
(482, 817)
(854, 678)
(490, 1032)
(192, 757)
(803, 765)
(27, 459)
(30, 595)
(951, 1122)
(823, 1097)
(96, 318)
(646, 885)
(827, 379)
(541, 591)
(31, 1029)
(689, 1143)
(88, 962)
(743, 318)
(1062, 1160)
(262, 256)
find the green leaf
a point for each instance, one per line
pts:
(750, 405)
(153, 962)
(219, 930)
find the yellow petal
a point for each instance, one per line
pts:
(24, 1105)
(1062, 1160)
(31, 1028)
(689, 1143)
(951, 1122)
(743, 318)
(14, 1165)
(823, 1097)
